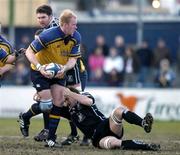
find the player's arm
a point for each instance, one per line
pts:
(70, 64)
(6, 68)
(10, 59)
(32, 58)
(78, 97)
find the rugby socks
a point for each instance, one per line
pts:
(132, 118)
(73, 128)
(54, 118)
(34, 110)
(46, 120)
(134, 145)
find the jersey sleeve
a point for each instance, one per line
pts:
(75, 52)
(3, 55)
(38, 44)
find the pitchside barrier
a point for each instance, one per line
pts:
(164, 104)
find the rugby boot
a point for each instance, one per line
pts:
(85, 141)
(24, 125)
(147, 122)
(153, 147)
(42, 136)
(52, 144)
(70, 139)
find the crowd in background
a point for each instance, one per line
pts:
(119, 65)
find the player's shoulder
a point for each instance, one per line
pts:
(50, 35)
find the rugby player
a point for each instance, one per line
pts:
(7, 56)
(60, 45)
(76, 77)
(105, 133)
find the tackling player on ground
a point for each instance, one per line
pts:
(105, 133)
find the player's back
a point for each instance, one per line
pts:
(86, 118)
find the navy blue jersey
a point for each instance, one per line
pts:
(54, 22)
(86, 118)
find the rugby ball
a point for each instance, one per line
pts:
(52, 68)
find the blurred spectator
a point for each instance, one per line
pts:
(165, 76)
(113, 68)
(96, 61)
(178, 56)
(145, 55)
(25, 42)
(21, 74)
(131, 67)
(101, 42)
(161, 52)
(120, 44)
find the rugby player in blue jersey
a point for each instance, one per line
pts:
(75, 76)
(60, 45)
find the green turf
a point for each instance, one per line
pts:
(11, 142)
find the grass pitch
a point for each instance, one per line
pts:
(12, 143)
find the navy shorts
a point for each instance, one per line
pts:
(73, 76)
(103, 130)
(41, 83)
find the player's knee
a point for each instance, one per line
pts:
(46, 105)
(116, 116)
(110, 143)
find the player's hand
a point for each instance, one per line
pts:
(60, 73)
(44, 73)
(20, 52)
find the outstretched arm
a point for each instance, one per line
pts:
(77, 97)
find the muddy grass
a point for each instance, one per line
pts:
(11, 143)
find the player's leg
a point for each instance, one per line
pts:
(55, 114)
(36, 108)
(111, 142)
(122, 113)
(43, 106)
(73, 80)
(73, 136)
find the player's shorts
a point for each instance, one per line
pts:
(103, 130)
(72, 76)
(41, 83)
(83, 77)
